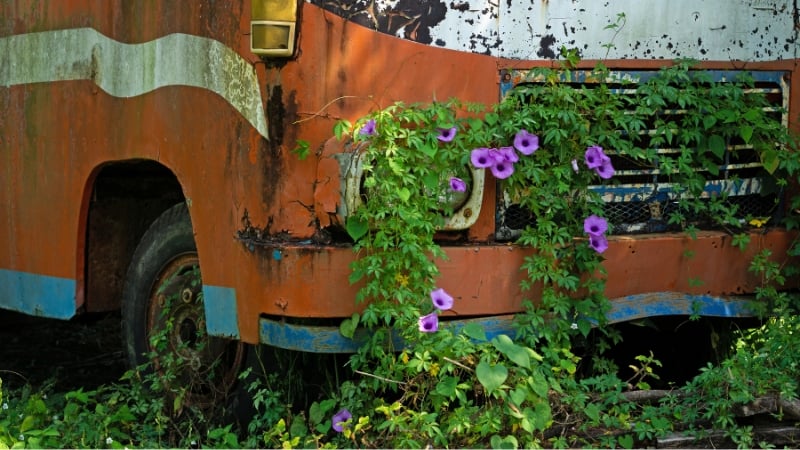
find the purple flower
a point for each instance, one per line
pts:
(447, 134)
(605, 170)
(595, 225)
(441, 299)
(481, 158)
(599, 243)
(502, 170)
(508, 154)
(429, 323)
(457, 184)
(595, 157)
(526, 143)
(339, 419)
(369, 128)
(575, 165)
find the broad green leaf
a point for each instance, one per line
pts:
(508, 442)
(355, 227)
(27, 423)
(746, 132)
(519, 395)
(474, 331)
(717, 145)
(543, 416)
(770, 160)
(431, 181)
(592, 411)
(348, 326)
(447, 386)
(709, 121)
(491, 377)
(625, 441)
(429, 150)
(538, 383)
(752, 114)
(404, 194)
(514, 352)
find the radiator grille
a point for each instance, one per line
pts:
(641, 197)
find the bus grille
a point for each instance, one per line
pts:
(641, 198)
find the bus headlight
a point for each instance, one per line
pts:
(466, 205)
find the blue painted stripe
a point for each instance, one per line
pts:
(39, 295)
(220, 307)
(677, 304)
(328, 339)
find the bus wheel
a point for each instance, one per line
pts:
(164, 319)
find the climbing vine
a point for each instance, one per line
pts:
(549, 144)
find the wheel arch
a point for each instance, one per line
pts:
(121, 199)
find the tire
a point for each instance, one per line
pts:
(164, 319)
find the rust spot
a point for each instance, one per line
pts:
(281, 303)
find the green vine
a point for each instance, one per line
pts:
(550, 144)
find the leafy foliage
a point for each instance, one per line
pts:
(449, 387)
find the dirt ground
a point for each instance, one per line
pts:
(83, 352)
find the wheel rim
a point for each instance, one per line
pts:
(204, 368)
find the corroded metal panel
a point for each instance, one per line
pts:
(747, 30)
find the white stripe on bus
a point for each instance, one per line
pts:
(128, 70)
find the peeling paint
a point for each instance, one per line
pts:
(747, 30)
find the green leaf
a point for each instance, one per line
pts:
(491, 377)
(356, 227)
(298, 426)
(404, 194)
(508, 442)
(746, 132)
(709, 121)
(592, 411)
(542, 415)
(625, 441)
(27, 423)
(431, 181)
(447, 386)
(752, 114)
(348, 326)
(519, 395)
(770, 160)
(717, 145)
(429, 150)
(514, 352)
(538, 383)
(474, 331)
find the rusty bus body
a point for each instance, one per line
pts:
(113, 111)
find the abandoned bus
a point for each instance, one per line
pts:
(144, 141)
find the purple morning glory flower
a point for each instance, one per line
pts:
(508, 154)
(599, 243)
(595, 225)
(338, 420)
(447, 134)
(481, 158)
(526, 143)
(575, 165)
(441, 299)
(595, 157)
(369, 128)
(605, 170)
(429, 323)
(457, 184)
(502, 170)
